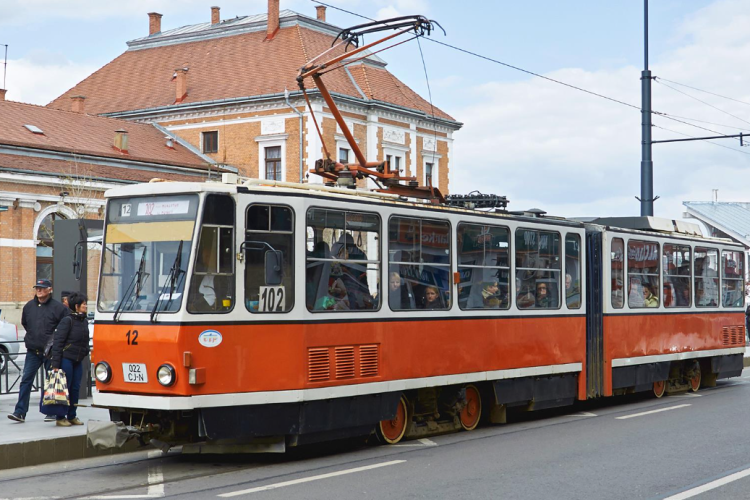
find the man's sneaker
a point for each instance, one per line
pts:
(63, 423)
(16, 417)
(50, 418)
(75, 421)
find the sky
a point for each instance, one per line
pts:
(541, 144)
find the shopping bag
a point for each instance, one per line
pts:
(55, 389)
(53, 410)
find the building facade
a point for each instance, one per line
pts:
(56, 165)
(229, 88)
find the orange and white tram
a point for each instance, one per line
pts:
(271, 316)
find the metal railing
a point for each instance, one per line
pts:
(11, 372)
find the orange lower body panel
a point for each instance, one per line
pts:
(633, 336)
(289, 356)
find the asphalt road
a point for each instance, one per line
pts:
(680, 446)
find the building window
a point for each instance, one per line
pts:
(211, 142)
(343, 155)
(273, 163)
(428, 174)
(44, 250)
(397, 164)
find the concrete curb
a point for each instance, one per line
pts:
(60, 449)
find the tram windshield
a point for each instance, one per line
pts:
(146, 252)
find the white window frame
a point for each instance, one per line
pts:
(269, 142)
(429, 157)
(394, 152)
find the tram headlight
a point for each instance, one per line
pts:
(103, 372)
(166, 375)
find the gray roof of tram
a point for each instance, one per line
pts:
(729, 217)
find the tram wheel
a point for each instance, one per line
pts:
(660, 388)
(392, 431)
(695, 379)
(472, 412)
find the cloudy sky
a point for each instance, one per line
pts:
(539, 143)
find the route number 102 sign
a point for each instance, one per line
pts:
(271, 299)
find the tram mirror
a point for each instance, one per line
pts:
(274, 259)
(78, 261)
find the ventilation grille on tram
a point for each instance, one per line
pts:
(319, 364)
(349, 362)
(345, 362)
(368, 361)
(733, 335)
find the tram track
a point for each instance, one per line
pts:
(338, 452)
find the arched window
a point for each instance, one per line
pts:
(45, 236)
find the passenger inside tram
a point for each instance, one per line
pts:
(399, 294)
(649, 299)
(208, 291)
(431, 298)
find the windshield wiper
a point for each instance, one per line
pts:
(135, 285)
(172, 277)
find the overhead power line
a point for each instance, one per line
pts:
(667, 116)
(703, 102)
(704, 91)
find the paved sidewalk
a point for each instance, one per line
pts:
(37, 442)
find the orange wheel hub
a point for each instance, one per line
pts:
(393, 430)
(473, 410)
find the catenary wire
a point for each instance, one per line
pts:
(703, 102)
(432, 108)
(701, 90)
(657, 113)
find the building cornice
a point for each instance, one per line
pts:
(276, 100)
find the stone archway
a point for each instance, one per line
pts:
(44, 235)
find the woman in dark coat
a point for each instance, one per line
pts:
(69, 348)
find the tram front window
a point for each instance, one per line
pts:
(146, 253)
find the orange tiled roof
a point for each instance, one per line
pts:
(233, 66)
(95, 172)
(86, 134)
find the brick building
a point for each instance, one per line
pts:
(57, 164)
(221, 86)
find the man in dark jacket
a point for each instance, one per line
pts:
(40, 317)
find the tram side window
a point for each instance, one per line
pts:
(212, 284)
(732, 279)
(643, 274)
(676, 288)
(617, 270)
(706, 268)
(343, 261)
(269, 229)
(484, 267)
(538, 266)
(419, 260)
(573, 271)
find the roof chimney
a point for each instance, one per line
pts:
(154, 23)
(121, 141)
(215, 18)
(180, 84)
(2, 94)
(321, 11)
(273, 19)
(77, 103)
